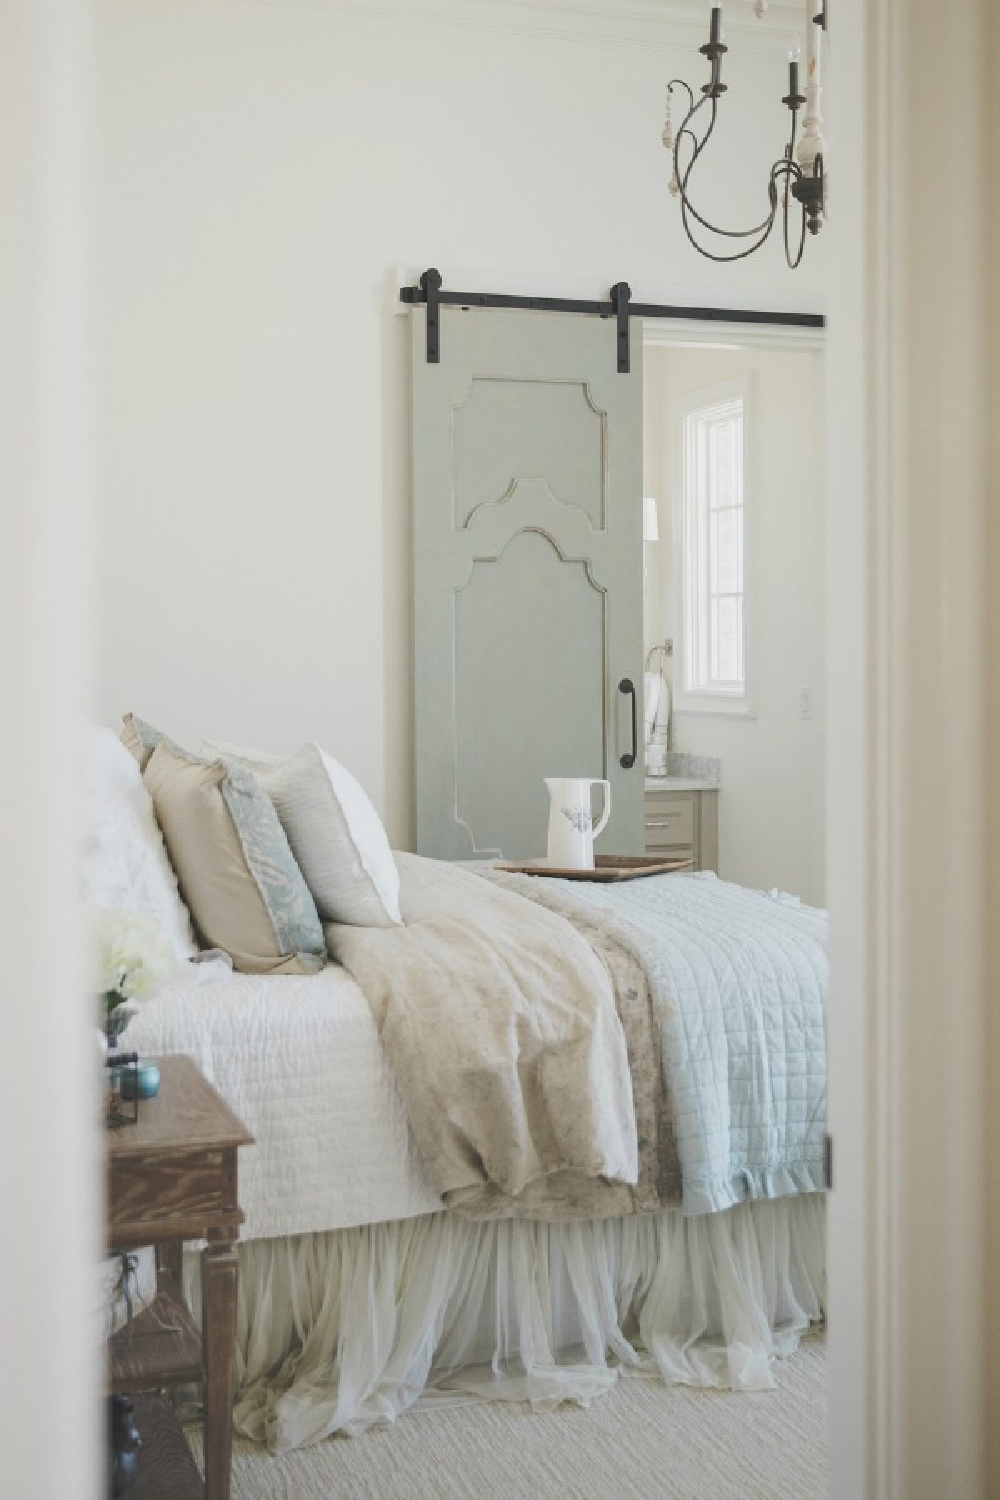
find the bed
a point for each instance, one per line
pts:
(387, 1262)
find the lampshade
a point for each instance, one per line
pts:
(650, 524)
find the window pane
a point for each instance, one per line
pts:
(714, 583)
(726, 538)
(727, 640)
(725, 462)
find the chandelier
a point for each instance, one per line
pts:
(798, 174)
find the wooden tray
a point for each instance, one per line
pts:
(607, 867)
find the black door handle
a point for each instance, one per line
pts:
(627, 761)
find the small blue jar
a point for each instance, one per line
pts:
(142, 1083)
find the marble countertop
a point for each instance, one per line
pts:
(680, 784)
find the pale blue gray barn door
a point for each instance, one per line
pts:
(527, 508)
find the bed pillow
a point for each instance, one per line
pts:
(335, 834)
(125, 865)
(140, 738)
(236, 871)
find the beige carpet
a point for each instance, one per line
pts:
(645, 1441)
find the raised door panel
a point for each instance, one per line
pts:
(529, 418)
(507, 657)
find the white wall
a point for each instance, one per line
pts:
(771, 806)
(263, 167)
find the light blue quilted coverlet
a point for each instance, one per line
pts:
(737, 981)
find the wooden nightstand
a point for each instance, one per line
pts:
(172, 1177)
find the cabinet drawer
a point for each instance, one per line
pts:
(669, 822)
(157, 1188)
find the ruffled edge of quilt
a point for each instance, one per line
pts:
(761, 1183)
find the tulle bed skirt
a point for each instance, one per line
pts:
(341, 1330)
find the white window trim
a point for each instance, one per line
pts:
(728, 705)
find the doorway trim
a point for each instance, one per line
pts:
(687, 333)
(906, 548)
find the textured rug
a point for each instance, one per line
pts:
(644, 1441)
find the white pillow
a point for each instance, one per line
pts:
(125, 864)
(334, 832)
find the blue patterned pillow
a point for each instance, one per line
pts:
(236, 872)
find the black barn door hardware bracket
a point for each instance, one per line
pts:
(430, 283)
(619, 306)
(620, 296)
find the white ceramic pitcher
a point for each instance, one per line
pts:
(572, 830)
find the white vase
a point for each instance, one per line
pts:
(572, 830)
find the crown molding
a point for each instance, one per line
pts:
(738, 13)
(657, 23)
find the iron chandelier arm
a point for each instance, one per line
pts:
(681, 83)
(682, 175)
(789, 170)
(786, 169)
(687, 136)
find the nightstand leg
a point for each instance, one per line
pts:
(218, 1290)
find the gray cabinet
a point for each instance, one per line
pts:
(684, 824)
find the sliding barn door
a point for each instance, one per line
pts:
(527, 496)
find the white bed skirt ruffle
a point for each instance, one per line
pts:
(341, 1330)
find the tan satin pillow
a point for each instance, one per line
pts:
(235, 869)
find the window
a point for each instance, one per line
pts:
(712, 531)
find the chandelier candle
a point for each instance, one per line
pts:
(714, 50)
(794, 53)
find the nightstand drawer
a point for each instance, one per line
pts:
(160, 1187)
(669, 822)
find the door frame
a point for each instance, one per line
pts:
(684, 333)
(906, 487)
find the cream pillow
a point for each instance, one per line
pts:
(335, 834)
(236, 871)
(124, 864)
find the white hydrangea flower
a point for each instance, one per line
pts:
(132, 956)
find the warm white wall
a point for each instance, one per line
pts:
(771, 806)
(263, 167)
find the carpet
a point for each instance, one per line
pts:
(644, 1441)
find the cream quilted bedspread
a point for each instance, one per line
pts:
(500, 1024)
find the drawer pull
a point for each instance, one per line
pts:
(662, 822)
